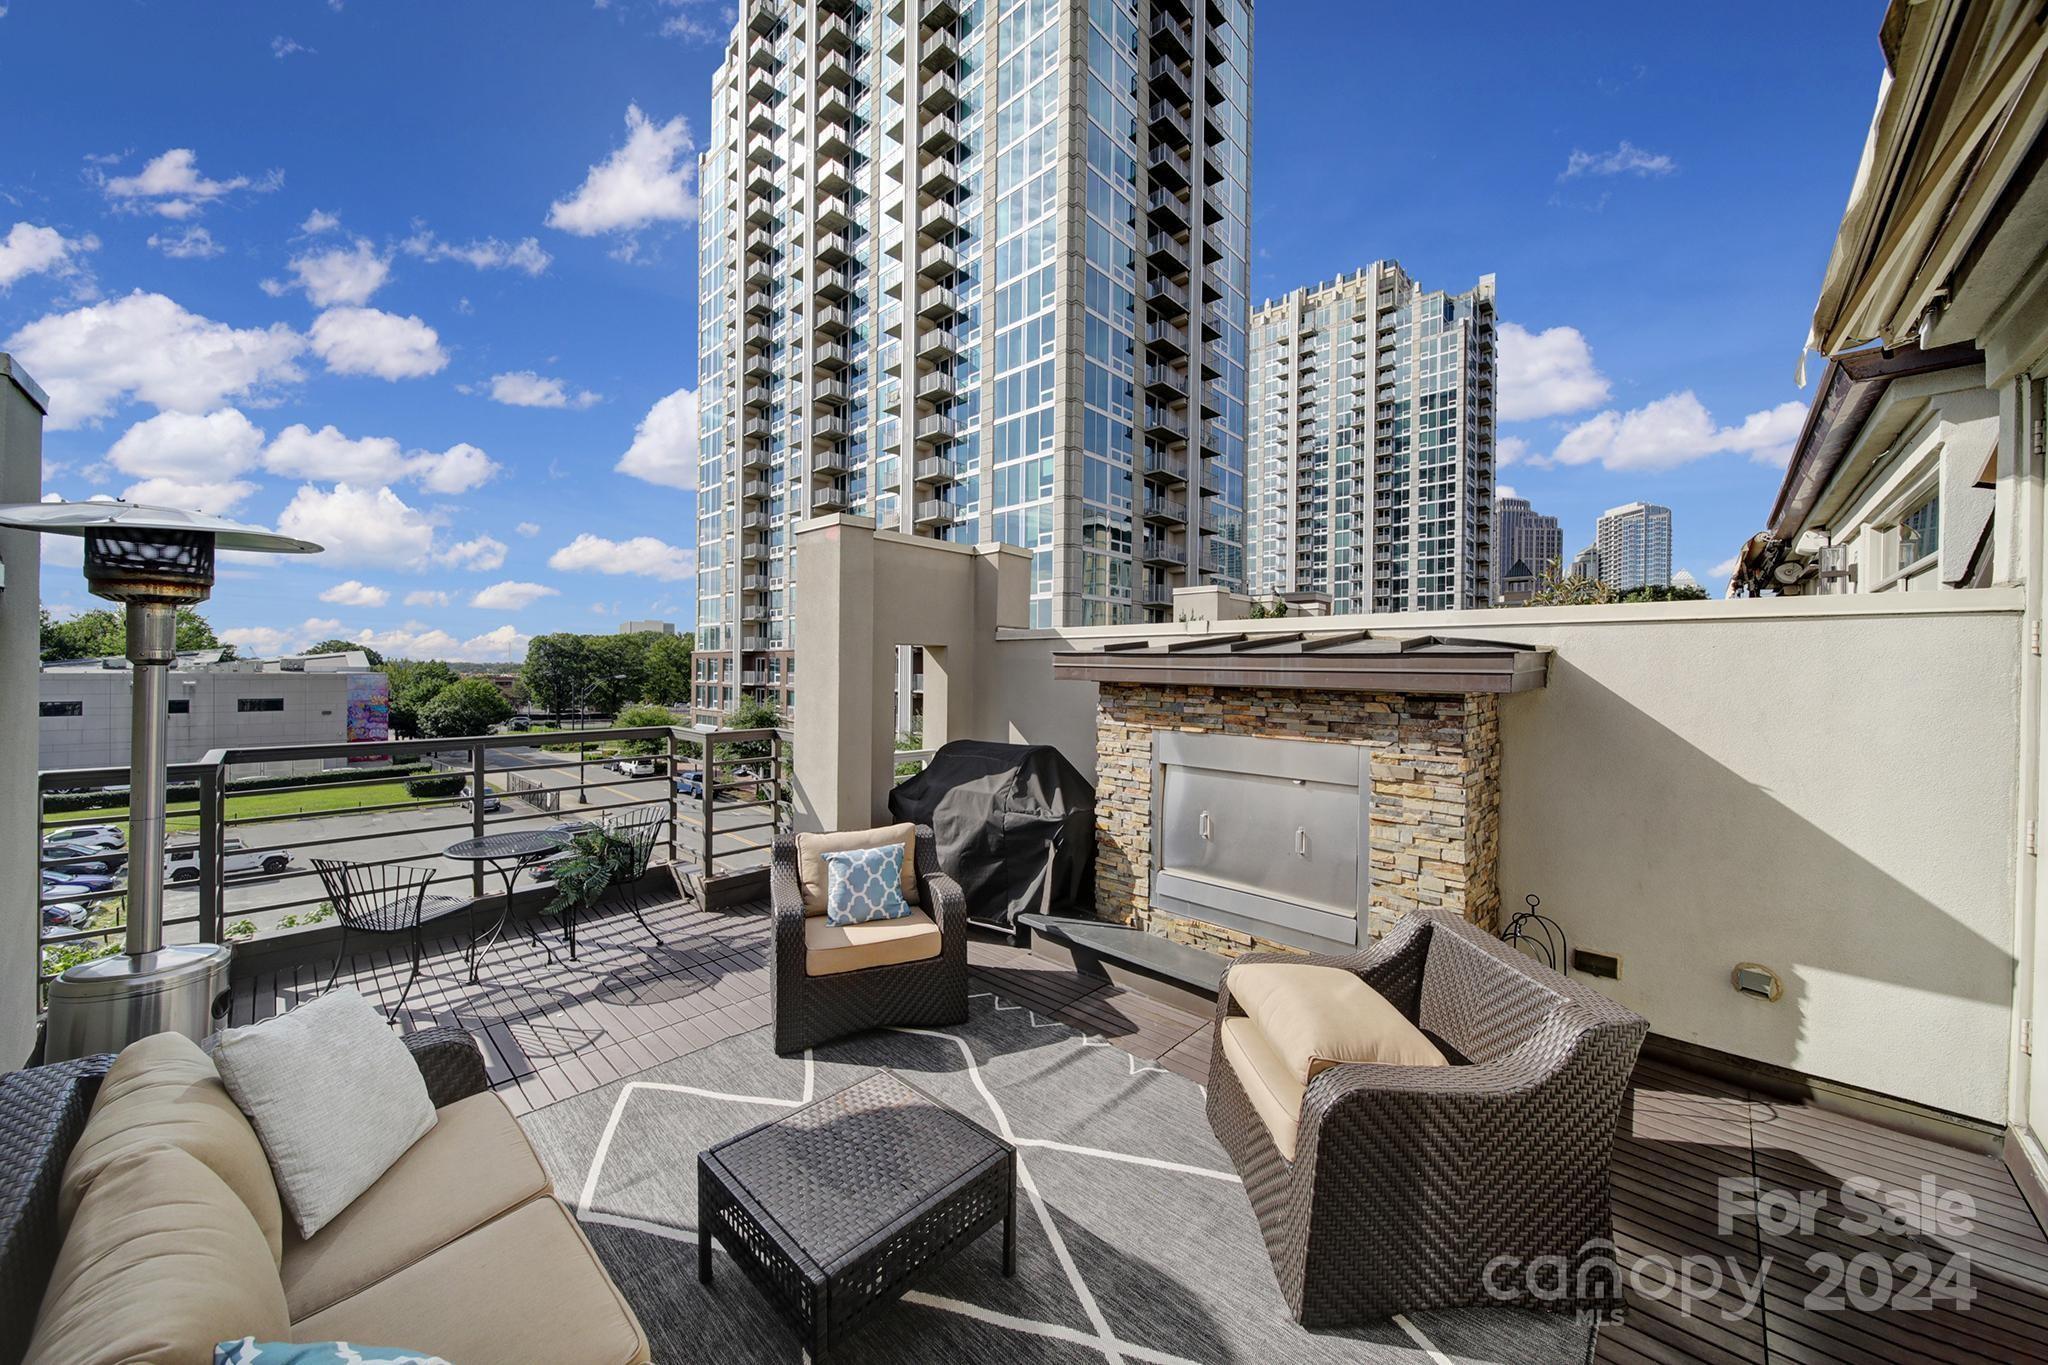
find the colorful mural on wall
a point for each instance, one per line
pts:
(369, 707)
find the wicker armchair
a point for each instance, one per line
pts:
(815, 1009)
(1407, 1183)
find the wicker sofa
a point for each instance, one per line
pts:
(1412, 1188)
(825, 983)
(135, 1225)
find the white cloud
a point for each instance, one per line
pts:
(483, 253)
(270, 641)
(415, 640)
(1675, 430)
(457, 469)
(525, 389)
(528, 529)
(147, 347)
(1505, 490)
(649, 180)
(1509, 450)
(370, 341)
(30, 250)
(319, 221)
(1546, 373)
(330, 457)
(347, 275)
(192, 243)
(481, 554)
(1725, 570)
(511, 595)
(664, 449)
(219, 498)
(642, 555)
(1627, 159)
(282, 47)
(355, 593)
(360, 525)
(187, 446)
(426, 597)
(172, 187)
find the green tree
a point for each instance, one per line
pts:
(619, 671)
(1562, 590)
(637, 715)
(753, 714)
(469, 707)
(342, 646)
(559, 671)
(668, 670)
(414, 685)
(1665, 592)
(103, 633)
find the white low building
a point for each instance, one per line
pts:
(84, 705)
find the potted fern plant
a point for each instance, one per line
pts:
(593, 861)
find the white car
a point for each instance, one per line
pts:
(102, 836)
(638, 767)
(182, 864)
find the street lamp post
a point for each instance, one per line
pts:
(583, 745)
(152, 560)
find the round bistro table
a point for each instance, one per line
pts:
(508, 854)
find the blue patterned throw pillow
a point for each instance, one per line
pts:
(864, 884)
(249, 1351)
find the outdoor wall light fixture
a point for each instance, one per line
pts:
(152, 560)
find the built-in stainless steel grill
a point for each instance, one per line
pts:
(1265, 836)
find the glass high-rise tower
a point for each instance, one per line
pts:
(1372, 443)
(975, 269)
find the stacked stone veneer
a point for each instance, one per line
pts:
(1435, 817)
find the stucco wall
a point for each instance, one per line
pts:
(21, 480)
(1823, 785)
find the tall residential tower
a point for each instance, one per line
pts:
(1371, 444)
(1635, 546)
(1526, 537)
(975, 269)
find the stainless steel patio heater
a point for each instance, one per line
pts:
(152, 560)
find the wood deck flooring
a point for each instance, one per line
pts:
(553, 1029)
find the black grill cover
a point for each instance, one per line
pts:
(1015, 825)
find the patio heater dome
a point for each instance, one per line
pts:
(152, 560)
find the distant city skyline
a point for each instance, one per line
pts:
(459, 345)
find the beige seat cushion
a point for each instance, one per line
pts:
(833, 948)
(525, 1287)
(812, 848)
(1273, 1089)
(1316, 1017)
(163, 1089)
(471, 1166)
(163, 1261)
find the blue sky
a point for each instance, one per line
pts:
(461, 235)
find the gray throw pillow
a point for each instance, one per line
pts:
(334, 1096)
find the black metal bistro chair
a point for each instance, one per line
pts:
(384, 898)
(634, 834)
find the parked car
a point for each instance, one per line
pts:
(519, 723)
(491, 800)
(106, 836)
(690, 782)
(73, 915)
(182, 864)
(92, 857)
(640, 767)
(65, 881)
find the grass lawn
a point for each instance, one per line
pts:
(184, 815)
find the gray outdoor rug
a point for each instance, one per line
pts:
(1139, 1247)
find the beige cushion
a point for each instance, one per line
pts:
(472, 1165)
(523, 1287)
(812, 848)
(833, 948)
(163, 1089)
(334, 1095)
(1274, 1090)
(1317, 1017)
(163, 1261)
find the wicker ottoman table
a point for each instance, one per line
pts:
(833, 1209)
